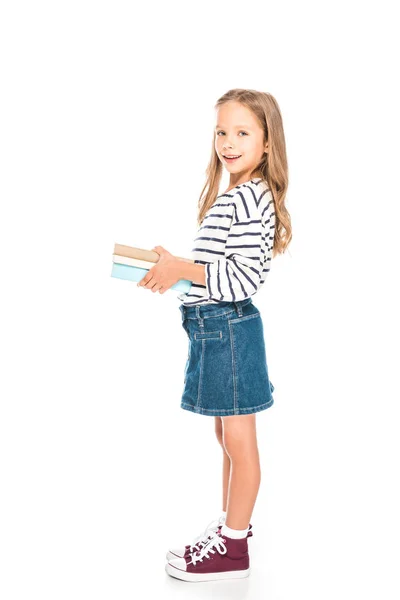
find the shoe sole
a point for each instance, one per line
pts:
(185, 576)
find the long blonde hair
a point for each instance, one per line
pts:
(273, 167)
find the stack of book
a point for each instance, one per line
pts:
(133, 264)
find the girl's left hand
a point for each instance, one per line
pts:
(164, 274)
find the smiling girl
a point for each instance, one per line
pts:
(226, 373)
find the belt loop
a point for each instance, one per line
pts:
(199, 318)
(238, 307)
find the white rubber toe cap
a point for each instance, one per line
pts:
(178, 563)
(175, 553)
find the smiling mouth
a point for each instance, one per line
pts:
(233, 157)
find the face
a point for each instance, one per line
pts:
(238, 132)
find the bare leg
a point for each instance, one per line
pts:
(226, 467)
(240, 441)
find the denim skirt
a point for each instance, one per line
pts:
(226, 371)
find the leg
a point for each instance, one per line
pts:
(226, 467)
(240, 441)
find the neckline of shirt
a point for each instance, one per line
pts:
(252, 180)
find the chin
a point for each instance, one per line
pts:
(234, 168)
(236, 171)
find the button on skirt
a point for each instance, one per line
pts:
(226, 371)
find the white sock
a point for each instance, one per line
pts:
(234, 533)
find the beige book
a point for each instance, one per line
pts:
(141, 254)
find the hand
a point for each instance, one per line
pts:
(164, 274)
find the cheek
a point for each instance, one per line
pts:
(254, 149)
(219, 150)
(247, 145)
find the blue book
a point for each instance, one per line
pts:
(134, 273)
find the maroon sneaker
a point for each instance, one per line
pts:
(221, 558)
(199, 542)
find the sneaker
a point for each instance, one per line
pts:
(200, 541)
(221, 558)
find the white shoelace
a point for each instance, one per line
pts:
(202, 539)
(216, 543)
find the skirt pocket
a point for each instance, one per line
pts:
(253, 389)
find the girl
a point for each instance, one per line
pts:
(226, 374)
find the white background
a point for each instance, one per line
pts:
(107, 111)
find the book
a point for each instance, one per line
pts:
(132, 273)
(132, 264)
(141, 254)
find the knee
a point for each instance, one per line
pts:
(234, 444)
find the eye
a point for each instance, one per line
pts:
(218, 132)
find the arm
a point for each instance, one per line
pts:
(192, 271)
(238, 275)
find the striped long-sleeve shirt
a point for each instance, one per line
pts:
(235, 244)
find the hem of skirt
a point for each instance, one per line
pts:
(225, 412)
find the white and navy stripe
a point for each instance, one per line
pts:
(235, 244)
